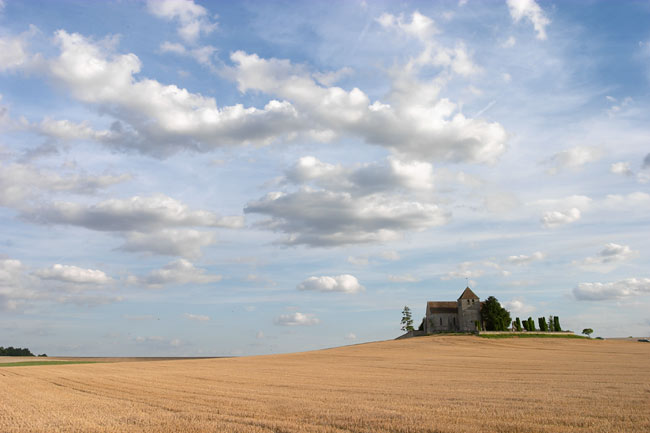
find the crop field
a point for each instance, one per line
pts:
(426, 384)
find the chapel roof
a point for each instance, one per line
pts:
(439, 307)
(468, 294)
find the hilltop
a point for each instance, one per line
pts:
(427, 384)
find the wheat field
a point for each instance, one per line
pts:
(427, 384)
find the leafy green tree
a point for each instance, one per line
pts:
(531, 325)
(526, 325)
(407, 321)
(495, 317)
(543, 326)
(556, 324)
(588, 332)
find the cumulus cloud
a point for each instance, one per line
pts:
(154, 118)
(553, 219)
(193, 20)
(364, 178)
(296, 319)
(418, 125)
(622, 168)
(170, 242)
(342, 283)
(143, 214)
(21, 286)
(530, 10)
(646, 162)
(608, 258)
(629, 287)
(325, 218)
(179, 272)
(20, 183)
(573, 158)
(523, 259)
(197, 317)
(517, 306)
(420, 26)
(203, 54)
(14, 52)
(73, 274)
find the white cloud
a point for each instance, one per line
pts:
(530, 10)
(325, 218)
(179, 272)
(297, 319)
(553, 219)
(523, 259)
(351, 336)
(364, 178)
(509, 43)
(622, 168)
(390, 255)
(359, 260)
(20, 183)
(259, 335)
(73, 274)
(517, 306)
(14, 53)
(154, 118)
(197, 317)
(406, 278)
(203, 54)
(193, 19)
(142, 214)
(420, 26)
(171, 242)
(341, 283)
(629, 287)
(573, 158)
(418, 125)
(608, 258)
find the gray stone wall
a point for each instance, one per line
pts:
(469, 311)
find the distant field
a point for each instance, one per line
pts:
(426, 384)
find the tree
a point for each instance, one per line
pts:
(531, 325)
(543, 326)
(588, 332)
(556, 324)
(407, 321)
(495, 317)
(518, 324)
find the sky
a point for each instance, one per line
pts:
(190, 178)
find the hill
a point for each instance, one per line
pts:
(427, 384)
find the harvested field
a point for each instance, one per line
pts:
(427, 384)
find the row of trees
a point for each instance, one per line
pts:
(553, 324)
(16, 351)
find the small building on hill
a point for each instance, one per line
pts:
(461, 315)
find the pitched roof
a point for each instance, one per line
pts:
(438, 307)
(468, 294)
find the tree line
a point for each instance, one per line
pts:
(16, 351)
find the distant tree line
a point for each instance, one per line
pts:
(553, 324)
(16, 351)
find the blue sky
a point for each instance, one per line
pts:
(218, 178)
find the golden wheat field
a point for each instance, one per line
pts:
(427, 384)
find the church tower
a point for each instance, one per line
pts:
(469, 310)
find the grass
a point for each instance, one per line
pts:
(533, 335)
(443, 384)
(30, 363)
